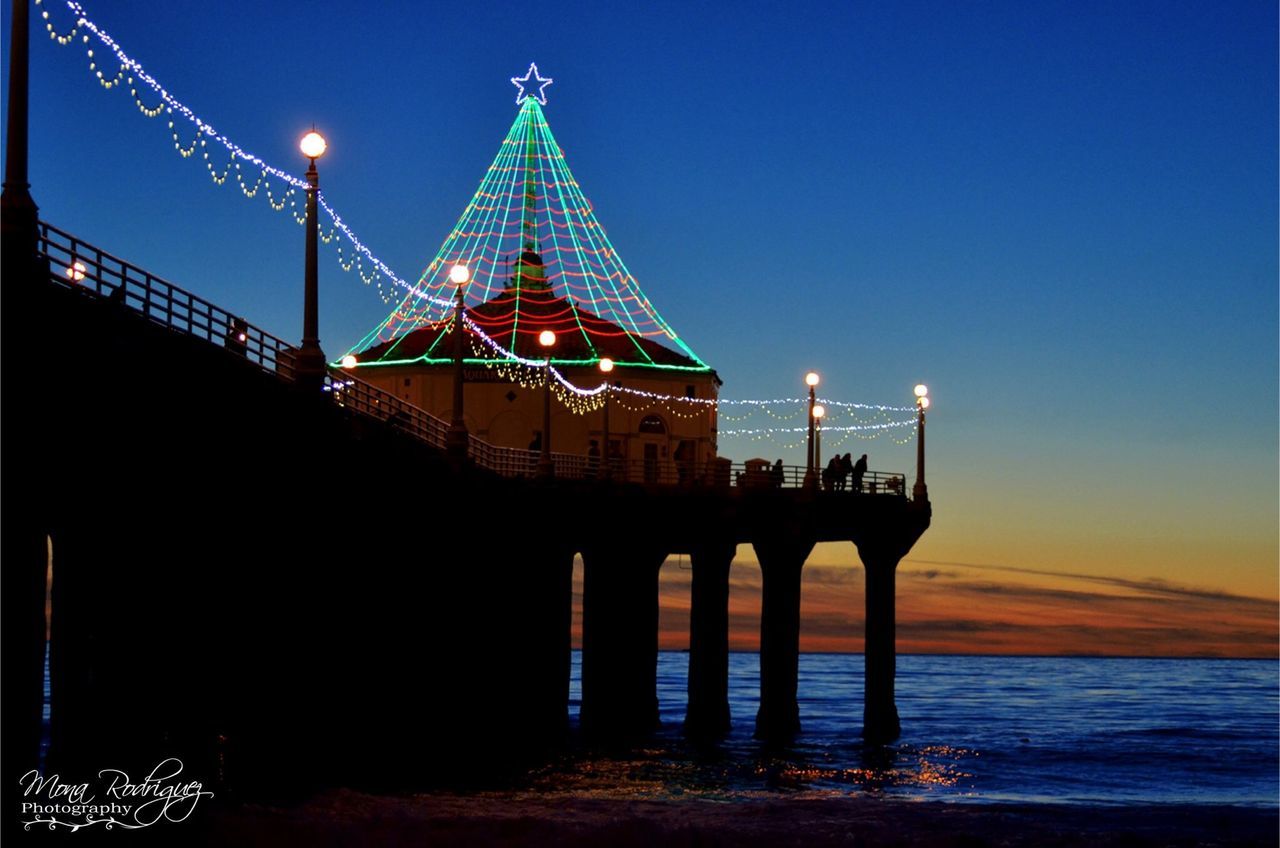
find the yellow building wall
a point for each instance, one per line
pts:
(507, 415)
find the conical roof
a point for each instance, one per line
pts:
(582, 338)
(538, 259)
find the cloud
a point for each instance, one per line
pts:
(944, 607)
(1151, 584)
(831, 575)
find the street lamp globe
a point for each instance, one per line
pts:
(606, 365)
(546, 338)
(313, 145)
(811, 379)
(922, 390)
(348, 361)
(923, 402)
(819, 411)
(459, 274)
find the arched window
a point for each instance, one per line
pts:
(653, 424)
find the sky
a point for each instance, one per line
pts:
(1062, 217)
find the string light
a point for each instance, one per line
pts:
(133, 73)
(852, 428)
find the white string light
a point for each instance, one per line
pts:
(132, 72)
(851, 428)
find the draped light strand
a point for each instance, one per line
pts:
(851, 428)
(132, 73)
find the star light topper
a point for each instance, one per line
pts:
(527, 88)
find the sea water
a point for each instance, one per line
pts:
(1075, 730)
(1067, 730)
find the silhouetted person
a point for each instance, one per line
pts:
(830, 472)
(778, 475)
(536, 444)
(859, 468)
(593, 459)
(846, 468)
(117, 298)
(237, 337)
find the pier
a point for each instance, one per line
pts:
(214, 578)
(229, 588)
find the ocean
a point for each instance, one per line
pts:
(975, 729)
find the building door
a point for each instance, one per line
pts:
(653, 435)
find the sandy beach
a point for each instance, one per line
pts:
(344, 817)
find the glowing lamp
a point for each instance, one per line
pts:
(459, 274)
(922, 390)
(811, 379)
(348, 361)
(606, 365)
(546, 338)
(313, 145)
(76, 272)
(923, 402)
(819, 410)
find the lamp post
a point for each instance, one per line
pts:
(818, 412)
(309, 367)
(545, 467)
(920, 491)
(456, 439)
(810, 475)
(606, 367)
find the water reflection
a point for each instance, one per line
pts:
(732, 770)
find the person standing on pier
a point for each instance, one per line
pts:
(859, 468)
(844, 470)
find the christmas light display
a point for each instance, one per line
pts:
(539, 259)
(528, 202)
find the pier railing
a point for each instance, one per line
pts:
(359, 396)
(80, 266)
(721, 473)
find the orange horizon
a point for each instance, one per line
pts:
(967, 609)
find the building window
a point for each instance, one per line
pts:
(653, 424)
(690, 391)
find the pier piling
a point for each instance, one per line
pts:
(708, 711)
(620, 639)
(781, 559)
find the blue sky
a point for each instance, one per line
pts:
(1062, 216)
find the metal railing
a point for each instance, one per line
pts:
(78, 265)
(724, 473)
(359, 396)
(514, 462)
